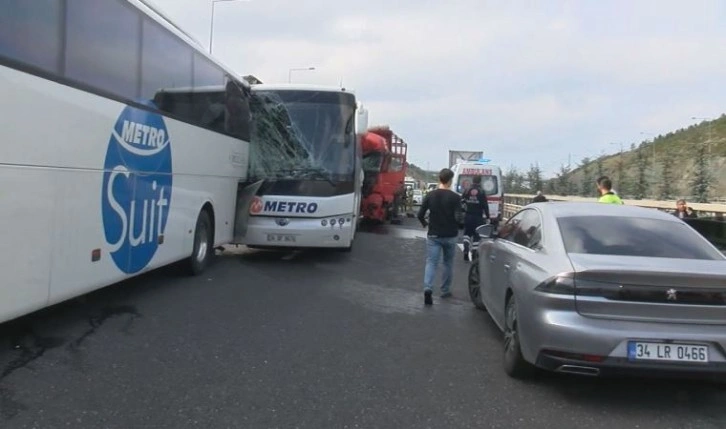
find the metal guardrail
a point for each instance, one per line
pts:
(710, 223)
(718, 211)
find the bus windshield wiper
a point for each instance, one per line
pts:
(319, 173)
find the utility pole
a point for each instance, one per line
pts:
(211, 26)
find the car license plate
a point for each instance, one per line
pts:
(638, 350)
(280, 238)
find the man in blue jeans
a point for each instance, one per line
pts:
(444, 207)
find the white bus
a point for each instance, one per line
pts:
(103, 175)
(306, 152)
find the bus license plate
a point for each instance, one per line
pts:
(667, 352)
(280, 238)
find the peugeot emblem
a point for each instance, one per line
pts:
(282, 221)
(671, 294)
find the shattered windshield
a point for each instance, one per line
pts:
(300, 134)
(396, 164)
(372, 162)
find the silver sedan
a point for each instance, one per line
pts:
(590, 288)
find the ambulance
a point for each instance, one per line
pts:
(491, 183)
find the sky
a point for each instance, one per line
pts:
(546, 82)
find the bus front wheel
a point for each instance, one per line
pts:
(203, 244)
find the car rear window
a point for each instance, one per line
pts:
(632, 236)
(489, 183)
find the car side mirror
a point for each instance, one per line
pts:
(486, 231)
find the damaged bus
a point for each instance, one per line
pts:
(305, 168)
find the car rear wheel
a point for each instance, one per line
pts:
(514, 363)
(475, 286)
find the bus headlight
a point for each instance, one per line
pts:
(324, 222)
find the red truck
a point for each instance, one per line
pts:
(384, 166)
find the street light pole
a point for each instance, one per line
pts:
(289, 72)
(211, 26)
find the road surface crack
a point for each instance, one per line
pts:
(97, 321)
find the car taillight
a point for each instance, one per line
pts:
(567, 284)
(560, 285)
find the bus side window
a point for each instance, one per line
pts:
(237, 118)
(209, 111)
(103, 53)
(166, 63)
(30, 33)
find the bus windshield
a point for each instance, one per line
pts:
(303, 134)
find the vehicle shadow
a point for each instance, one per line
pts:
(684, 400)
(702, 397)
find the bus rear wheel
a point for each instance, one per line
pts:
(203, 244)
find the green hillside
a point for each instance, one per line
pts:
(688, 163)
(421, 175)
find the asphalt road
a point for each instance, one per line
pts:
(304, 340)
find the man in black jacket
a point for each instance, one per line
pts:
(477, 206)
(683, 211)
(444, 207)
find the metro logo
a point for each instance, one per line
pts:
(137, 188)
(290, 207)
(258, 207)
(142, 134)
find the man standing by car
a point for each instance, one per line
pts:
(539, 198)
(475, 201)
(444, 207)
(683, 211)
(607, 196)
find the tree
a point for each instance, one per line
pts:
(641, 184)
(572, 186)
(666, 176)
(600, 171)
(586, 182)
(551, 186)
(621, 176)
(520, 183)
(701, 180)
(509, 179)
(534, 178)
(563, 178)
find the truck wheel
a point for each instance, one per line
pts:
(203, 249)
